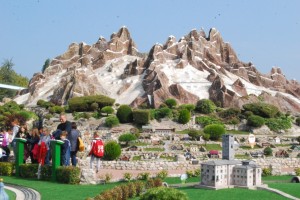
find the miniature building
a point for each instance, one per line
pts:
(282, 154)
(213, 154)
(228, 172)
(194, 148)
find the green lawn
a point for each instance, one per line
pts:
(290, 188)
(248, 147)
(237, 132)
(232, 194)
(154, 149)
(11, 194)
(213, 147)
(51, 190)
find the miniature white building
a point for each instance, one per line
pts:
(228, 172)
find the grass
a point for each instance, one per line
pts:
(154, 149)
(242, 156)
(136, 158)
(284, 178)
(225, 194)
(10, 194)
(238, 132)
(169, 158)
(213, 147)
(52, 190)
(139, 144)
(248, 147)
(186, 131)
(290, 188)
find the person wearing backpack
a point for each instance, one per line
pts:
(97, 151)
(73, 137)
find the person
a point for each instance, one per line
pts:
(15, 129)
(5, 143)
(65, 149)
(23, 133)
(73, 138)
(65, 125)
(45, 137)
(97, 151)
(32, 140)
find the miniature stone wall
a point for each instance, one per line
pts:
(280, 166)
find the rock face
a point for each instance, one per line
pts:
(194, 67)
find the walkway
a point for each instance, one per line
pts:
(277, 192)
(23, 193)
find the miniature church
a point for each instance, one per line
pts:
(228, 172)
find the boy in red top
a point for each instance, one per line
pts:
(97, 151)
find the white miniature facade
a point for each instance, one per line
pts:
(228, 172)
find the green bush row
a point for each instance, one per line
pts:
(87, 103)
(6, 168)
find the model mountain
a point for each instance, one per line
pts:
(197, 66)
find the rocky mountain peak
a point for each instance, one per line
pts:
(192, 68)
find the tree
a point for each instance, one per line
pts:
(111, 121)
(255, 121)
(268, 151)
(9, 76)
(46, 65)
(127, 137)
(141, 117)
(107, 109)
(214, 130)
(184, 116)
(171, 103)
(205, 106)
(189, 107)
(206, 137)
(194, 134)
(112, 150)
(124, 113)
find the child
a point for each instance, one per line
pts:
(65, 149)
(45, 137)
(97, 151)
(5, 143)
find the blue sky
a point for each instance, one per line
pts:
(263, 32)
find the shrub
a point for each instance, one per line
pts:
(29, 170)
(84, 103)
(127, 137)
(107, 177)
(162, 174)
(262, 109)
(6, 168)
(267, 171)
(276, 124)
(298, 121)
(229, 113)
(157, 182)
(162, 113)
(255, 121)
(132, 190)
(184, 116)
(141, 117)
(139, 187)
(112, 150)
(189, 173)
(124, 114)
(48, 116)
(56, 109)
(171, 103)
(143, 176)
(127, 176)
(297, 171)
(164, 193)
(27, 115)
(268, 151)
(197, 172)
(189, 107)
(46, 172)
(205, 106)
(111, 121)
(150, 183)
(215, 131)
(194, 134)
(207, 120)
(95, 106)
(68, 174)
(125, 191)
(107, 109)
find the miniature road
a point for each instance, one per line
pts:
(23, 193)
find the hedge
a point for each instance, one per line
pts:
(68, 174)
(6, 168)
(85, 103)
(141, 116)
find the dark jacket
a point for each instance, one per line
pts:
(67, 126)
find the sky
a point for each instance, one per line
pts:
(264, 32)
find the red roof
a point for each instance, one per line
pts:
(213, 152)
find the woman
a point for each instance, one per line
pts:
(32, 140)
(15, 129)
(23, 133)
(73, 138)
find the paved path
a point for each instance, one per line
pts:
(278, 192)
(23, 193)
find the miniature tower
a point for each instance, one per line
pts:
(227, 147)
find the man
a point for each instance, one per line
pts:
(65, 125)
